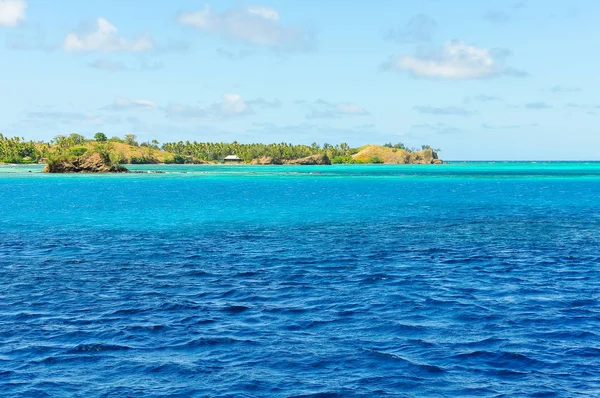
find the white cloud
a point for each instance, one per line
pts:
(351, 109)
(12, 12)
(445, 111)
(328, 110)
(71, 118)
(264, 12)
(122, 104)
(263, 103)
(456, 60)
(108, 65)
(104, 38)
(564, 89)
(232, 105)
(254, 25)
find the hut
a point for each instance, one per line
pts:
(232, 159)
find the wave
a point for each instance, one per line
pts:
(98, 347)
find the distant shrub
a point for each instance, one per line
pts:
(344, 159)
(176, 159)
(375, 159)
(100, 137)
(77, 151)
(130, 139)
(143, 159)
(118, 158)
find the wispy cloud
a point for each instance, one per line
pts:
(572, 105)
(443, 111)
(104, 38)
(263, 103)
(234, 55)
(438, 128)
(126, 104)
(482, 98)
(29, 37)
(537, 105)
(564, 89)
(456, 60)
(514, 72)
(506, 126)
(321, 109)
(255, 25)
(419, 28)
(232, 105)
(107, 65)
(72, 118)
(496, 16)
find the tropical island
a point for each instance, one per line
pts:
(77, 154)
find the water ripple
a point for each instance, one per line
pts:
(205, 286)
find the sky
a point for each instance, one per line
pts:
(493, 80)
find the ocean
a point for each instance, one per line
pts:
(466, 279)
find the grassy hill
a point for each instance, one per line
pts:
(380, 154)
(131, 152)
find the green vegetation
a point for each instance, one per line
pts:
(344, 159)
(282, 152)
(100, 137)
(78, 151)
(375, 160)
(17, 150)
(128, 150)
(99, 158)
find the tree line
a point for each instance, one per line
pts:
(18, 150)
(215, 151)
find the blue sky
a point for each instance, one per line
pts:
(503, 79)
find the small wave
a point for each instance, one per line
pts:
(502, 359)
(146, 328)
(397, 358)
(99, 347)
(485, 342)
(235, 309)
(35, 392)
(507, 373)
(129, 311)
(583, 302)
(183, 306)
(566, 334)
(197, 273)
(584, 352)
(28, 315)
(209, 341)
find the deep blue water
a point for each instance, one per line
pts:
(454, 280)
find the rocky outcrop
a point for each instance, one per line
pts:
(437, 161)
(379, 154)
(265, 160)
(88, 163)
(311, 160)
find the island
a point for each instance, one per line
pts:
(77, 154)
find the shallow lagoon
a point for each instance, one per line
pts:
(461, 279)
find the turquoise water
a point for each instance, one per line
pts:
(454, 280)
